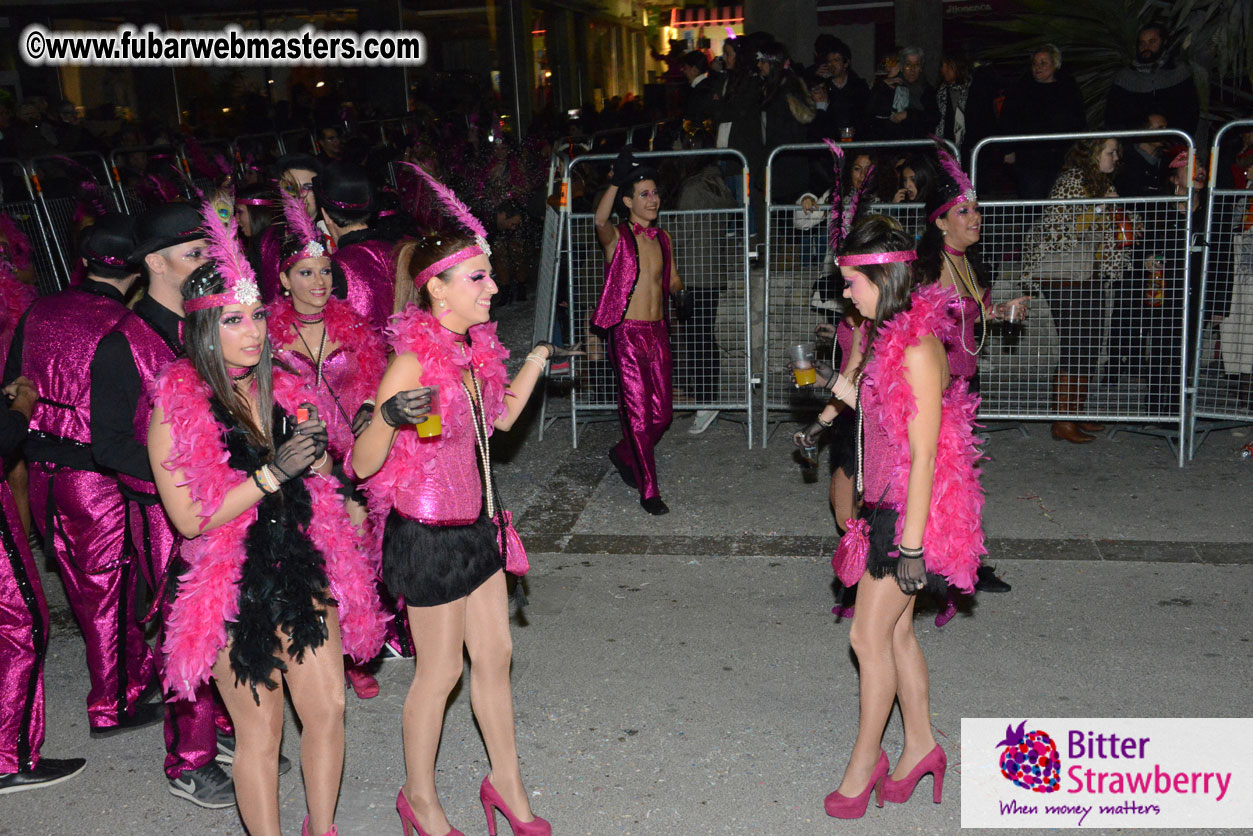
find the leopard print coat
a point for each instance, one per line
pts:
(1076, 242)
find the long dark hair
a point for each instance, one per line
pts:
(413, 255)
(203, 347)
(926, 269)
(876, 233)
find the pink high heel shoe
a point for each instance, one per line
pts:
(304, 829)
(935, 762)
(364, 685)
(491, 799)
(842, 807)
(407, 818)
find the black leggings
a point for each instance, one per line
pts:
(1077, 313)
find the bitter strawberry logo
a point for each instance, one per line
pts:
(1030, 759)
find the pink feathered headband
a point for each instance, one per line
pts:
(965, 189)
(463, 216)
(876, 258)
(226, 254)
(302, 229)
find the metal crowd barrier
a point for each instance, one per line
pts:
(1109, 316)
(21, 208)
(127, 169)
(55, 183)
(711, 353)
(799, 277)
(298, 140)
(1222, 375)
(257, 151)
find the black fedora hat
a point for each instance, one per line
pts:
(107, 246)
(165, 226)
(344, 187)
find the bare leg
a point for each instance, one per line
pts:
(880, 604)
(258, 733)
(317, 693)
(491, 651)
(843, 499)
(913, 689)
(438, 636)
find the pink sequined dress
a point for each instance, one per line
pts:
(438, 544)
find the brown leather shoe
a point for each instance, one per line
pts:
(1069, 431)
(1089, 427)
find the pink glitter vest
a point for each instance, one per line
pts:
(371, 276)
(963, 309)
(622, 273)
(151, 354)
(438, 481)
(58, 342)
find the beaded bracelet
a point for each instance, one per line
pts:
(848, 390)
(270, 478)
(537, 360)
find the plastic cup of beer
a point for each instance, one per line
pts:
(802, 359)
(846, 134)
(431, 427)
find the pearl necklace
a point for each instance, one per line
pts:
(480, 438)
(968, 283)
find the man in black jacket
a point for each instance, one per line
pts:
(1153, 84)
(699, 105)
(847, 92)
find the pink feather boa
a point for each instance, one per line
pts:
(367, 357)
(418, 332)
(208, 595)
(953, 539)
(15, 298)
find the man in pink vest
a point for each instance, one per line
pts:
(639, 277)
(169, 245)
(363, 255)
(76, 507)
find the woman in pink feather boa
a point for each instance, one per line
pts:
(276, 587)
(341, 359)
(440, 548)
(919, 526)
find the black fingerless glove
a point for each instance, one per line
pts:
(362, 419)
(911, 571)
(294, 457)
(809, 436)
(406, 407)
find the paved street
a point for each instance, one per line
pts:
(683, 675)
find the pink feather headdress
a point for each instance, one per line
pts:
(225, 252)
(462, 214)
(965, 189)
(842, 216)
(301, 228)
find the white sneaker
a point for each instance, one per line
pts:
(703, 419)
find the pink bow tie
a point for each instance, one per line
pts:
(646, 231)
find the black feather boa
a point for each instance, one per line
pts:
(284, 579)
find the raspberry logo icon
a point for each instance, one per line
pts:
(1030, 759)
